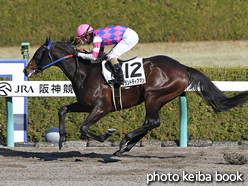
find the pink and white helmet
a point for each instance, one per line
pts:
(83, 29)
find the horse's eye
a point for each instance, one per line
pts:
(38, 54)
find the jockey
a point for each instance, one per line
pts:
(123, 37)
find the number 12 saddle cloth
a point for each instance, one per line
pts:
(133, 72)
(132, 69)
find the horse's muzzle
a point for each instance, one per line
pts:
(29, 73)
(25, 72)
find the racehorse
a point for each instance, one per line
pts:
(166, 79)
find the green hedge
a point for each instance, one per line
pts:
(202, 121)
(154, 21)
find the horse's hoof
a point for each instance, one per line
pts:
(61, 145)
(110, 131)
(118, 154)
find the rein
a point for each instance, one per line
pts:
(50, 64)
(81, 81)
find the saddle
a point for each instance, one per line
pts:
(133, 75)
(109, 67)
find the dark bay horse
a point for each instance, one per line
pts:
(166, 79)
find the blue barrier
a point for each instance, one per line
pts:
(10, 122)
(183, 120)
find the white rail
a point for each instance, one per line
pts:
(64, 88)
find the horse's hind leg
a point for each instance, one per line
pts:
(133, 137)
(130, 144)
(152, 121)
(75, 107)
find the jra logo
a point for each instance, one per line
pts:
(5, 88)
(24, 89)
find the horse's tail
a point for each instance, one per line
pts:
(207, 90)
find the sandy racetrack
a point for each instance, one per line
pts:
(96, 166)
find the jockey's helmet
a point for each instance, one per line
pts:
(83, 29)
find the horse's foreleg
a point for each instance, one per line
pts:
(75, 107)
(95, 115)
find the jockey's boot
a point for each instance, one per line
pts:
(119, 78)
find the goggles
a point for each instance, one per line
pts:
(82, 41)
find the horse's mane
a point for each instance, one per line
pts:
(68, 44)
(71, 45)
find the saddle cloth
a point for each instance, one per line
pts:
(133, 71)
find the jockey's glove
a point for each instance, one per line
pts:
(81, 54)
(75, 53)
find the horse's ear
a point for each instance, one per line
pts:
(47, 41)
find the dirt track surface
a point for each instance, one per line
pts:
(93, 166)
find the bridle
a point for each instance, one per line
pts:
(47, 53)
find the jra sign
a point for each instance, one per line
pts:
(36, 89)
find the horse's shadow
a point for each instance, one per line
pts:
(75, 155)
(109, 160)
